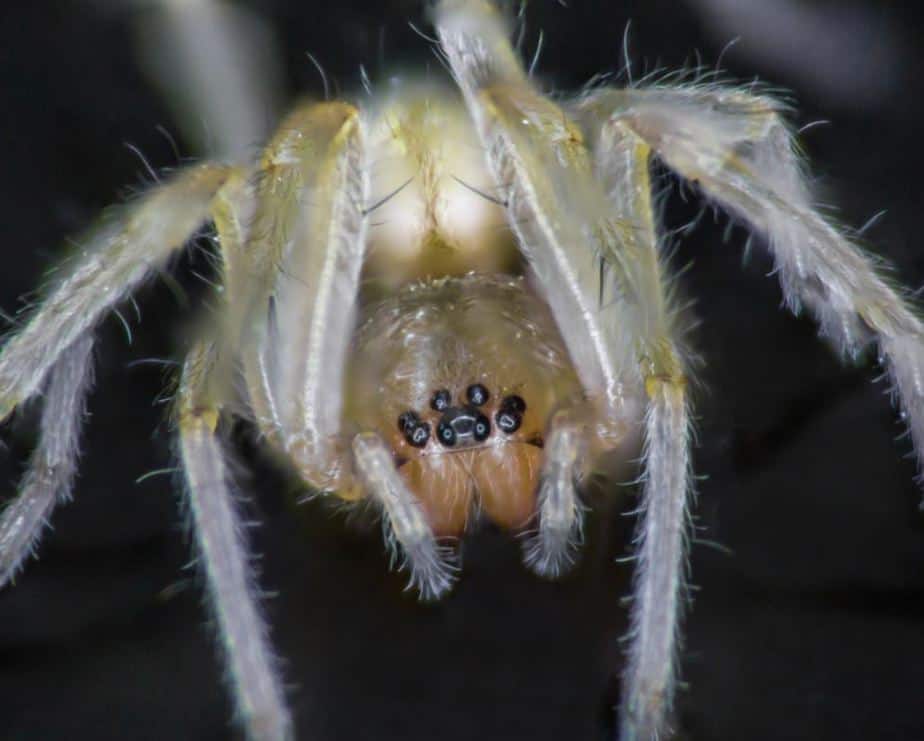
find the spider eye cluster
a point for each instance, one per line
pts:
(465, 422)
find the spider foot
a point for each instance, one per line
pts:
(433, 568)
(551, 552)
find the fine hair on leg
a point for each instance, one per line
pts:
(622, 161)
(219, 531)
(737, 147)
(551, 550)
(303, 255)
(432, 571)
(50, 476)
(113, 262)
(587, 231)
(659, 592)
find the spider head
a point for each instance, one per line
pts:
(474, 454)
(459, 376)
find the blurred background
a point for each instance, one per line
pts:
(808, 618)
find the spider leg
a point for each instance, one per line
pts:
(219, 531)
(304, 242)
(245, 329)
(303, 256)
(621, 164)
(740, 152)
(432, 572)
(112, 263)
(58, 337)
(594, 252)
(601, 279)
(224, 104)
(53, 463)
(659, 587)
(550, 551)
(537, 158)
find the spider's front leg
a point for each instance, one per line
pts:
(301, 246)
(592, 247)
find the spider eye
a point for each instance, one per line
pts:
(408, 421)
(446, 434)
(509, 422)
(482, 428)
(419, 435)
(477, 394)
(415, 430)
(510, 416)
(513, 403)
(440, 401)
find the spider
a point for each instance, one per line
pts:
(587, 412)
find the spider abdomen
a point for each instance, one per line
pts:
(459, 376)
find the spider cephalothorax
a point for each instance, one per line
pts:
(460, 375)
(500, 330)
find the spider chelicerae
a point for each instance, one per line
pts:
(416, 411)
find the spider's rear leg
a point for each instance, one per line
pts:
(112, 262)
(57, 340)
(219, 531)
(53, 463)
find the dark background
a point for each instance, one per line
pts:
(808, 623)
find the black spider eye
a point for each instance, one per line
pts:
(513, 404)
(477, 394)
(510, 415)
(408, 421)
(440, 401)
(419, 435)
(446, 434)
(482, 428)
(416, 431)
(508, 421)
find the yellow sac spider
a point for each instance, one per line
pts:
(450, 307)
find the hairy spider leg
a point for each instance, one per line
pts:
(302, 261)
(622, 165)
(218, 529)
(50, 476)
(550, 551)
(431, 565)
(596, 259)
(57, 337)
(305, 250)
(738, 149)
